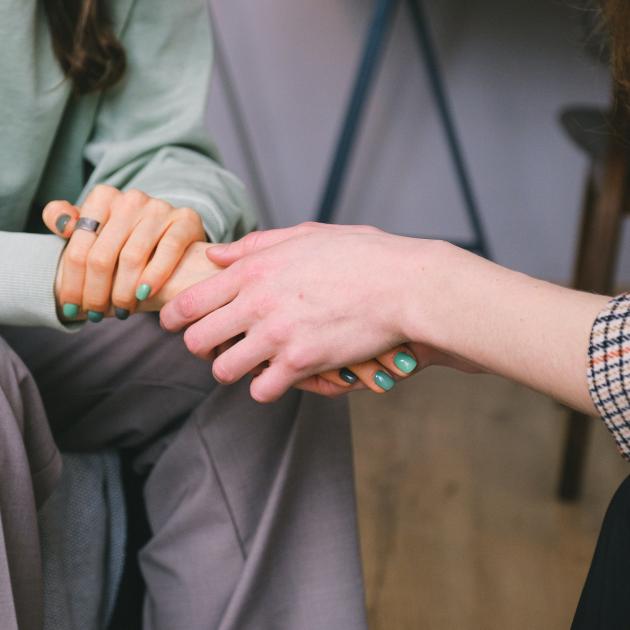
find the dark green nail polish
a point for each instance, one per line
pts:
(70, 311)
(384, 380)
(62, 222)
(349, 377)
(143, 292)
(95, 316)
(121, 313)
(405, 362)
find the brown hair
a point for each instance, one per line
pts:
(85, 44)
(616, 14)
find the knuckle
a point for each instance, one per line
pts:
(157, 207)
(263, 305)
(76, 256)
(100, 261)
(102, 190)
(253, 272)
(275, 335)
(186, 304)
(297, 358)
(189, 215)
(134, 198)
(132, 256)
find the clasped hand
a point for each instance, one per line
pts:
(144, 253)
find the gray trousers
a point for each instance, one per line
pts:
(251, 507)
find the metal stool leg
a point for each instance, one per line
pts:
(375, 44)
(428, 54)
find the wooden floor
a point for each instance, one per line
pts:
(460, 526)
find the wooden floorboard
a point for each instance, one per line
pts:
(460, 525)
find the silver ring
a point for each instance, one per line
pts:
(89, 225)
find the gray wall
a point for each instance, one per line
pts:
(510, 66)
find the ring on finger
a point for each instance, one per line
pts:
(87, 224)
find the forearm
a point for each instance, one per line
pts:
(508, 323)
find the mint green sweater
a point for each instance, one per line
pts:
(146, 133)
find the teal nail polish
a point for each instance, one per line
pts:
(62, 222)
(121, 313)
(348, 376)
(405, 362)
(384, 380)
(70, 311)
(143, 292)
(95, 316)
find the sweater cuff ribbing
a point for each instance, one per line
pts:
(28, 268)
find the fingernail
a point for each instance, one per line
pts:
(218, 249)
(384, 380)
(405, 362)
(62, 222)
(95, 316)
(121, 313)
(143, 292)
(348, 376)
(70, 311)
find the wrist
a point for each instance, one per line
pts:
(434, 265)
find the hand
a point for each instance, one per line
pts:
(191, 269)
(415, 357)
(139, 245)
(194, 267)
(309, 299)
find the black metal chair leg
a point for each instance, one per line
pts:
(375, 44)
(428, 54)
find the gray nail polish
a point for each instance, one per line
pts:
(62, 222)
(349, 377)
(121, 313)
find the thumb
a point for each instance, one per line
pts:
(60, 218)
(227, 254)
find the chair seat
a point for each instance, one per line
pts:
(590, 128)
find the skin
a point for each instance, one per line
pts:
(314, 298)
(141, 241)
(193, 267)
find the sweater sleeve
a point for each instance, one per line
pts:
(609, 369)
(149, 130)
(28, 267)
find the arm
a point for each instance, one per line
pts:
(28, 267)
(149, 141)
(507, 323)
(456, 308)
(149, 133)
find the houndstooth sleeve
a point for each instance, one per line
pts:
(609, 369)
